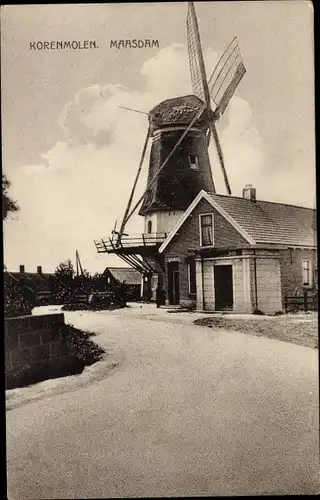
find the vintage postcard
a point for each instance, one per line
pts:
(160, 249)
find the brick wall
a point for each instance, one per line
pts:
(177, 185)
(188, 235)
(34, 344)
(188, 238)
(291, 270)
(225, 235)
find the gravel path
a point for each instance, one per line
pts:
(188, 411)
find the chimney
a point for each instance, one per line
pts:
(249, 192)
(39, 269)
(21, 269)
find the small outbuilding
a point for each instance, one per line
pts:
(130, 278)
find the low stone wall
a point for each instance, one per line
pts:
(35, 349)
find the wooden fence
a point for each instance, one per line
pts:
(81, 298)
(305, 302)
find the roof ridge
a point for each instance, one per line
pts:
(261, 201)
(126, 268)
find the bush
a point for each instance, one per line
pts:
(75, 307)
(16, 303)
(83, 349)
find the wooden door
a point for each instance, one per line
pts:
(173, 283)
(223, 287)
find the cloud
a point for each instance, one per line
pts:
(243, 148)
(167, 73)
(80, 186)
(94, 117)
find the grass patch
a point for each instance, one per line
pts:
(297, 330)
(81, 347)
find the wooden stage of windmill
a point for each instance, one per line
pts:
(179, 166)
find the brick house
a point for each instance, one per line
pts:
(239, 254)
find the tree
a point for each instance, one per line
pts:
(8, 204)
(18, 299)
(62, 282)
(65, 271)
(99, 282)
(82, 283)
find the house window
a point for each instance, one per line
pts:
(306, 273)
(193, 162)
(192, 278)
(206, 230)
(149, 227)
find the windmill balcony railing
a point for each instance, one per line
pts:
(129, 241)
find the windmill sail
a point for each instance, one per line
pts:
(124, 220)
(196, 63)
(226, 76)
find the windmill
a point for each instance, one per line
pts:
(180, 130)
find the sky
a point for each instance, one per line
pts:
(71, 153)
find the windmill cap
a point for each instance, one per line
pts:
(178, 111)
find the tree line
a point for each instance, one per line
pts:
(65, 284)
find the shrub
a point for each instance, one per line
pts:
(15, 301)
(83, 349)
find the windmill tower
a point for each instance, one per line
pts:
(186, 172)
(179, 166)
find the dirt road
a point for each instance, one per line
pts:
(188, 411)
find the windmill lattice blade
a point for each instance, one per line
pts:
(197, 68)
(208, 138)
(226, 76)
(220, 155)
(124, 220)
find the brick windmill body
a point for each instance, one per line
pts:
(186, 172)
(179, 166)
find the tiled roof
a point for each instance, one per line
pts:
(127, 274)
(269, 222)
(31, 277)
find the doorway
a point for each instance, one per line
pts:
(223, 287)
(173, 283)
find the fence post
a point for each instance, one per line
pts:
(285, 302)
(305, 300)
(314, 301)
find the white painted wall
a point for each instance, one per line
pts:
(199, 284)
(208, 286)
(162, 221)
(269, 285)
(241, 284)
